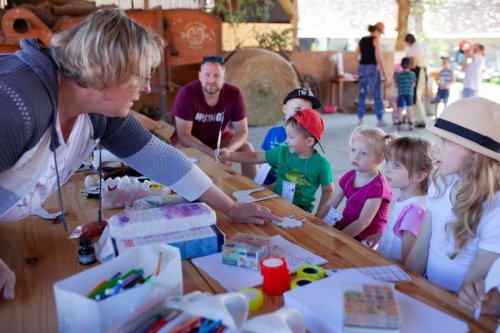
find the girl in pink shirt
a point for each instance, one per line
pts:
(408, 167)
(364, 187)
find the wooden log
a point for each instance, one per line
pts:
(265, 78)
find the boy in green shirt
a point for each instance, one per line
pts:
(301, 169)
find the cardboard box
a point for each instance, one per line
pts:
(78, 313)
(191, 243)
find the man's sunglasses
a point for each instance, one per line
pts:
(218, 60)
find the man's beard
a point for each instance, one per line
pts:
(211, 90)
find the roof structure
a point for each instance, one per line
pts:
(442, 18)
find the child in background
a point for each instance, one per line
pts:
(365, 189)
(473, 67)
(406, 82)
(296, 100)
(460, 236)
(301, 169)
(392, 95)
(445, 79)
(408, 167)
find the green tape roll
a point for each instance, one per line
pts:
(255, 298)
(299, 282)
(313, 272)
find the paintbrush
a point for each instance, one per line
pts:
(217, 150)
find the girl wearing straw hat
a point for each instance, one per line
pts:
(460, 236)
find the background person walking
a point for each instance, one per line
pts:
(369, 71)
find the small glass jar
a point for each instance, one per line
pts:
(86, 253)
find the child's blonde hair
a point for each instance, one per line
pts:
(481, 182)
(376, 138)
(415, 154)
(473, 124)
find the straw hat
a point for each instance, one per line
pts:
(473, 123)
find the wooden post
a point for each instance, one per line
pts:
(403, 14)
(290, 7)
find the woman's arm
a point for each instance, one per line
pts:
(238, 212)
(367, 214)
(380, 63)
(357, 53)
(326, 196)
(419, 253)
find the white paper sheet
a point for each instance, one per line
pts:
(321, 303)
(389, 273)
(234, 278)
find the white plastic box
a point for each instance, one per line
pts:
(78, 313)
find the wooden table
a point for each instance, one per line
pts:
(340, 250)
(40, 254)
(337, 90)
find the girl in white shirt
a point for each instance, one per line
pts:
(460, 236)
(408, 168)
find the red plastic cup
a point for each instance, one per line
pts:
(275, 274)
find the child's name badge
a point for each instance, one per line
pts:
(288, 191)
(333, 216)
(262, 173)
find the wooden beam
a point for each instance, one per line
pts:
(403, 14)
(290, 8)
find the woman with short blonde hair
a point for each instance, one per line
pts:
(58, 104)
(107, 48)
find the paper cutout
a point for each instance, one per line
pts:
(289, 222)
(245, 197)
(262, 173)
(40, 212)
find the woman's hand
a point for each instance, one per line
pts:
(250, 213)
(7, 281)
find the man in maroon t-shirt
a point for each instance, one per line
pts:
(201, 105)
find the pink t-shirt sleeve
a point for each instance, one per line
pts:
(410, 219)
(379, 189)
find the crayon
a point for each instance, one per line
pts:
(110, 284)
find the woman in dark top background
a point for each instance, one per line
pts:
(369, 72)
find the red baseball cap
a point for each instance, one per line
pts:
(311, 120)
